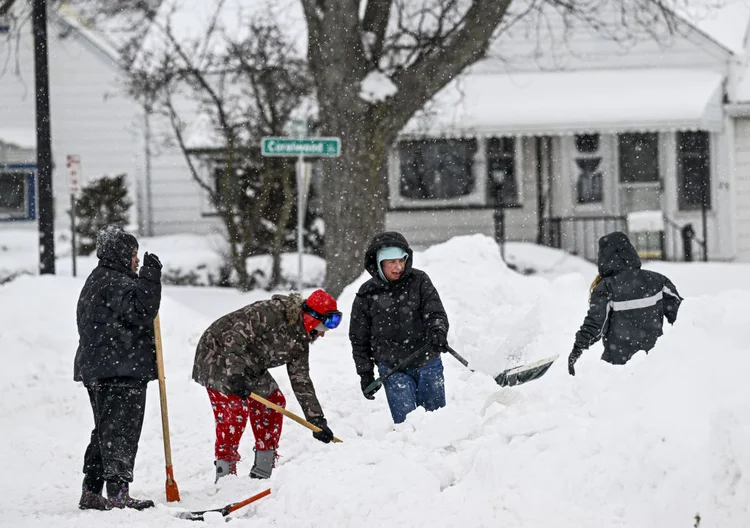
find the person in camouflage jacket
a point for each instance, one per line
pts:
(232, 361)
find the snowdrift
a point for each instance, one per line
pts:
(652, 443)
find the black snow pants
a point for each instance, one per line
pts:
(119, 405)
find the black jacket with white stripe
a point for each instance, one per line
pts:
(628, 305)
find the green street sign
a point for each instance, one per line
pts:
(285, 146)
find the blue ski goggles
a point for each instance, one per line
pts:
(330, 319)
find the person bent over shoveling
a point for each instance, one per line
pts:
(232, 361)
(394, 315)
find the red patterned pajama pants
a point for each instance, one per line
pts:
(232, 413)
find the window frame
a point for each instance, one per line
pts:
(476, 198)
(620, 172)
(27, 170)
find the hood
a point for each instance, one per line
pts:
(389, 238)
(115, 245)
(616, 253)
(292, 305)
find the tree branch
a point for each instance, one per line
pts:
(375, 21)
(431, 71)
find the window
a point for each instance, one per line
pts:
(639, 158)
(693, 170)
(501, 170)
(437, 169)
(16, 195)
(589, 177)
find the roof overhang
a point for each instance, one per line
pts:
(560, 103)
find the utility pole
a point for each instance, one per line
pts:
(43, 142)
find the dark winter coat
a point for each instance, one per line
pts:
(628, 305)
(115, 315)
(235, 352)
(390, 320)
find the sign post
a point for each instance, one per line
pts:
(300, 147)
(73, 162)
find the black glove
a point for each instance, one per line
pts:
(325, 435)
(438, 340)
(364, 382)
(572, 358)
(151, 261)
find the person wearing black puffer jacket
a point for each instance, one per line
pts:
(115, 360)
(396, 313)
(627, 305)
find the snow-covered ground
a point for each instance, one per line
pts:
(650, 444)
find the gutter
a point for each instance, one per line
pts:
(738, 109)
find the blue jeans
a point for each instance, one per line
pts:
(412, 388)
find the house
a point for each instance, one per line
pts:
(91, 117)
(586, 134)
(556, 137)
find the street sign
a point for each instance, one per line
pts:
(285, 146)
(73, 163)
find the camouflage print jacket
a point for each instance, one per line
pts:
(234, 354)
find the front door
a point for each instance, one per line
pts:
(640, 185)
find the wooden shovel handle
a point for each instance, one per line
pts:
(288, 414)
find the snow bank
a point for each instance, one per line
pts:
(652, 443)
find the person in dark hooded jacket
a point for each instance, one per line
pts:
(115, 360)
(396, 313)
(627, 304)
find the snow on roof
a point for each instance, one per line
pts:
(20, 137)
(567, 102)
(725, 21)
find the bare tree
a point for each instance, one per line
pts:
(416, 46)
(241, 88)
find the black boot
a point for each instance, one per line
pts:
(118, 494)
(91, 495)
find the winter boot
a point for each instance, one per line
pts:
(263, 465)
(119, 497)
(224, 468)
(93, 501)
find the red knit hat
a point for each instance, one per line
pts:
(321, 302)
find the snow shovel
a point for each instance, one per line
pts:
(173, 493)
(225, 510)
(515, 375)
(398, 366)
(288, 414)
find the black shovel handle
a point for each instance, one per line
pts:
(399, 366)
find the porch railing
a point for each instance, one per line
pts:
(580, 236)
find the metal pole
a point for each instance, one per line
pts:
(300, 215)
(43, 142)
(73, 230)
(149, 197)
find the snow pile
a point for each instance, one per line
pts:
(650, 444)
(377, 87)
(194, 260)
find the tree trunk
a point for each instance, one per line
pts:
(355, 193)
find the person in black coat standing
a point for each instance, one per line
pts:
(115, 360)
(627, 305)
(396, 313)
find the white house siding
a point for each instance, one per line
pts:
(531, 45)
(90, 116)
(742, 187)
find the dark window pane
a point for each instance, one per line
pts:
(501, 170)
(437, 169)
(588, 176)
(639, 158)
(12, 192)
(693, 170)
